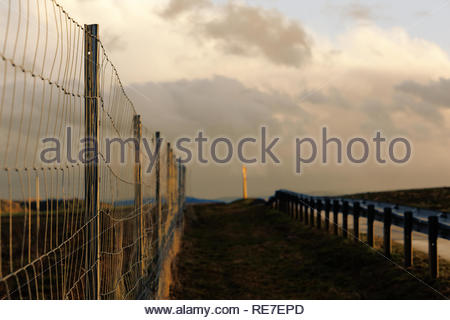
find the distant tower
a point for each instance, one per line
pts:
(244, 182)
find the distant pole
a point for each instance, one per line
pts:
(91, 175)
(244, 182)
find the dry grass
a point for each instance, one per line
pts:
(432, 198)
(246, 250)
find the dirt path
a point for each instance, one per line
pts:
(245, 250)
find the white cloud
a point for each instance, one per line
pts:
(350, 85)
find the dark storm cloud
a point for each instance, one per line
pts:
(244, 30)
(219, 105)
(177, 7)
(435, 92)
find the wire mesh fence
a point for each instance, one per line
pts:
(84, 225)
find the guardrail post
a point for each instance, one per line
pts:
(370, 220)
(345, 219)
(356, 210)
(335, 216)
(301, 210)
(319, 214)
(407, 238)
(289, 209)
(433, 229)
(304, 210)
(307, 208)
(138, 199)
(311, 212)
(293, 204)
(91, 174)
(327, 214)
(387, 231)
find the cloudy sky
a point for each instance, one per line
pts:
(230, 67)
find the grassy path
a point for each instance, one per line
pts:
(245, 250)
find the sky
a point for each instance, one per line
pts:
(229, 67)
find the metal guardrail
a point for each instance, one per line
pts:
(309, 209)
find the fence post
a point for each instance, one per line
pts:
(311, 212)
(158, 218)
(387, 231)
(407, 238)
(168, 190)
(335, 216)
(370, 220)
(345, 219)
(327, 214)
(179, 173)
(138, 199)
(319, 214)
(356, 210)
(91, 175)
(433, 228)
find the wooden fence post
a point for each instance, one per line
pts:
(345, 219)
(91, 174)
(387, 231)
(138, 196)
(157, 229)
(311, 212)
(356, 212)
(307, 204)
(407, 238)
(335, 216)
(433, 229)
(370, 220)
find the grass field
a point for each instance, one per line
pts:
(245, 250)
(432, 198)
